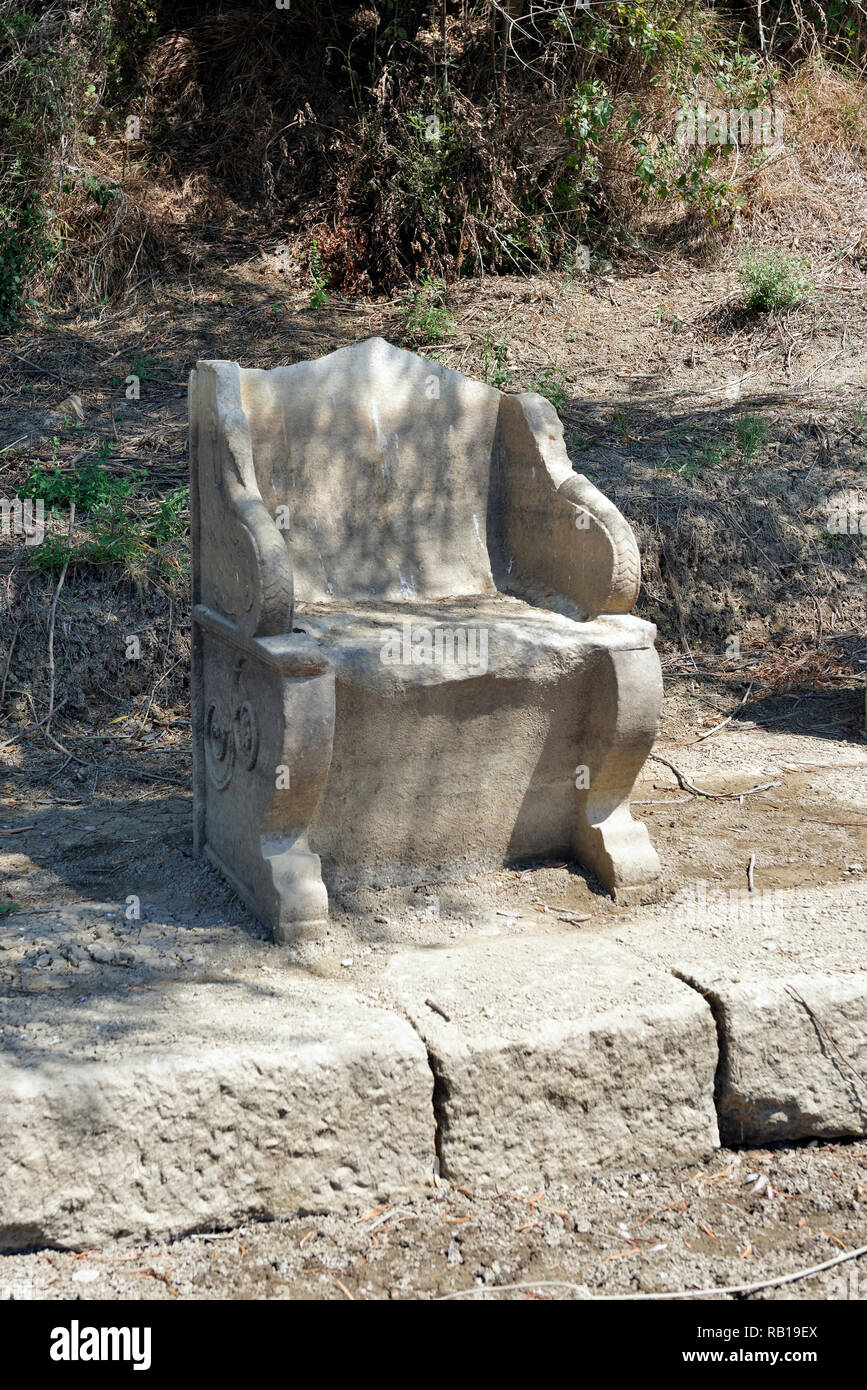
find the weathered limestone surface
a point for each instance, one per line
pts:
(370, 497)
(559, 1056)
(793, 1057)
(459, 771)
(384, 460)
(205, 1105)
(173, 1106)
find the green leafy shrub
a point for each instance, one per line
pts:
(775, 280)
(550, 384)
(169, 523)
(108, 509)
(319, 293)
(590, 109)
(90, 488)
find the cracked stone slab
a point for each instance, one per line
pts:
(793, 1053)
(558, 1056)
(183, 1107)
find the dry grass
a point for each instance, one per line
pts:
(244, 128)
(811, 193)
(799, 664)
(104, 251)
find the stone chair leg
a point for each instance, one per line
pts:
(263, 726)
(625, 693)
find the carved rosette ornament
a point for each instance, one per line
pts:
(245, 723)
(246, 730)
(219, 745)
(231, 733)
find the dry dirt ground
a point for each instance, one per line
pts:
(757, 600)
(70, 863)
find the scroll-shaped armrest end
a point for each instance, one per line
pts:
(611, 543)
(241, 562)
(559, 530)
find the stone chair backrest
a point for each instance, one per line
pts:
(378, 463)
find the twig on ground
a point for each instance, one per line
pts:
(716, 728)
(677, 1293)
(154, 777)
(750, 868)
(825, 363)
(716, 796)
(156, 687)
(151, 1273)
(681, 801)
(8, 663)
(45, 370)
(51, 622)
(31, 728)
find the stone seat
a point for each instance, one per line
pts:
(413, 651)
(387, 643)
(445, 688)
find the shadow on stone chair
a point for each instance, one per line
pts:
(413, 651)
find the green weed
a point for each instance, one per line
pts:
(775, 280)
(319, 293)
(751, 434)
(108, 510)
(494, 358)
(551, 385)
(427, 317)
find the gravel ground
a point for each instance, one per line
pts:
(749, 1216)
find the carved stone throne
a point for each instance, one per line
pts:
(412, 651)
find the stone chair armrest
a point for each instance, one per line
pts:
(288, 654)
(245, 571)
(561, 535)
